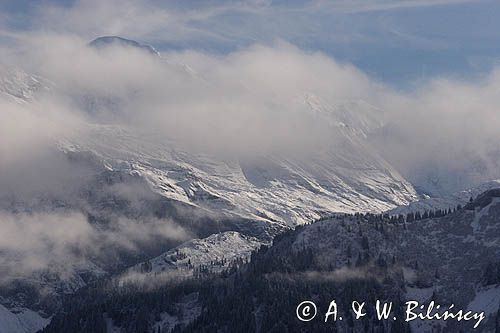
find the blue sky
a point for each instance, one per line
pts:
(398, 42)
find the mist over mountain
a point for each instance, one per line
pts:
(360, 257)
(120, 163)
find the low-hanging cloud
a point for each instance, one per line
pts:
(446, 133)
(252, 101)
(60, 242)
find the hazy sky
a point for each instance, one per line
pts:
(398, 42)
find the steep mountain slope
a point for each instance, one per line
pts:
(213, 254)
(346, 178)
(19, 86)
(451, 259)
(130, 190)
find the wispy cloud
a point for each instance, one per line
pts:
(58, 242)
(378, 36)
(358, 6)
(248, 100)
(176, 20)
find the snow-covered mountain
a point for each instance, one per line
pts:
(347, 178)
(227, 205)
(444, 259)
(452, 259)
(115, 172)
(19, 86)
(214, 253)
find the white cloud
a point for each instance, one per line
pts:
(57, 242)
(250, 100)
(447, 131)
(253, 99)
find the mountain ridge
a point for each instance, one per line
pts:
(107, 41)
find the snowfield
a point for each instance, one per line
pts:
(216, 252)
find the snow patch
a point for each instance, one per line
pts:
(21, 321)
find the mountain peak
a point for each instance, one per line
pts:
(105, 41)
